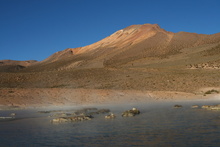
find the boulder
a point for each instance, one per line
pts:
(206, 106)
(177, 106)
(215, 107)
(13, 114)
(100, 111)
(91, 111)
(110, 116)
(132, 112)
(71, 119)
(211, 107)
(194, 106)
(103, 111)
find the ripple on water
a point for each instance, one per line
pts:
(157, 125)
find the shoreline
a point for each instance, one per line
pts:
(20, 98)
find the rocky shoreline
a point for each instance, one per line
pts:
(89, 113)
(19, 98)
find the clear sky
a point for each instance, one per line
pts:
(35, 29)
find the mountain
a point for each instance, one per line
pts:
(131, 44)
(139, 57)
(13, 65)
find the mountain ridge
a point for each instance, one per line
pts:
(132, 43)
(151, 37)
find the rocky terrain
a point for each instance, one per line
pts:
(12, 65)
(138, 63)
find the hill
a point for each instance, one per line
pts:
(137, 58)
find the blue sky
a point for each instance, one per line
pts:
(35, 29)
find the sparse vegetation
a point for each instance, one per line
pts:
(59, 86)
(10, 91)
(211, 91)
(213, 51)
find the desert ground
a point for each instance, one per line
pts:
(100, 86)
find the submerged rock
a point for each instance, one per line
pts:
(71, 119)
(61, 115)
(110, 116)
(215, 107)
(128, 114)
(44, 111)
(132, 112)
(77, 115)
(103, 111)
(91, 111)
(13, 114)
(194, 106)
(6, 118)
(211, 107)
(100, 111)
(177, 106)
(206, 106)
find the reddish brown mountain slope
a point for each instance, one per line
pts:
(137, 57)
(127, 45)
(13, 65)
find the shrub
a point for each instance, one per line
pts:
(211, 91)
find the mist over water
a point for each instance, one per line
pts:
(159, 124)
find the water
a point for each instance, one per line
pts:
(158, 125)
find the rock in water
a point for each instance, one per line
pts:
(211, 107)
(177, 106)
(206, 106)
(13, 114)
(71, 119)
(110, 116)
(132, 112)
(215, 107)
(194, 106)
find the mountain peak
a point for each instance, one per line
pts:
(128, 36)
(135, 42)
(141, 27)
